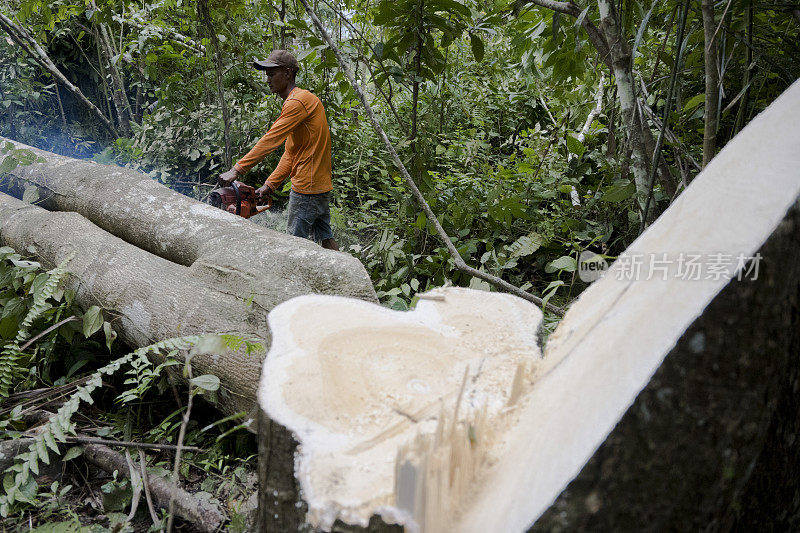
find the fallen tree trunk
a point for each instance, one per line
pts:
(247, 260)
(150, 297)
(688, 453)
(204, 271)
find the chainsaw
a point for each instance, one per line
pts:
(239, 199)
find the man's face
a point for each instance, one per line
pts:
(277, 79)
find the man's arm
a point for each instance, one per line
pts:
(293, 113)
(280, 173)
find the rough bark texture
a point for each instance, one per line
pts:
(280, 507)
(711, 443)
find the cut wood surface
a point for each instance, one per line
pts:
(602, 355)
(367, 385)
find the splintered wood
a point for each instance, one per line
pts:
(398, 413)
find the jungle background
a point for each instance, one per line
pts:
(535, 130)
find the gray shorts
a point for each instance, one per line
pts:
(310, 216)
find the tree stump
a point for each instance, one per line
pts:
(712, 362)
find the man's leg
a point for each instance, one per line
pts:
(323, 233)
(300, 219)
(330, 244)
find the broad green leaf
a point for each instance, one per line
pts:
(477, 47)
(619, 192)
(38, 283)
(574, 145)
(110, 334)
(564, 262)
(208, 382)
(526, 245)
(305, 53)
(73, 452)
(694, 101)
(579, 20)
(25, 157)
(92, 321)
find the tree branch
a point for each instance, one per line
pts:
(32, 48)
(596, 36)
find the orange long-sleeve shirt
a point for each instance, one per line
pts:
(307, 157)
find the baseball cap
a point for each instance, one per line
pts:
(278, 58)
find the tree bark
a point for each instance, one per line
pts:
(622, 68)
(712, 83)
(32, 48)
(118, 93)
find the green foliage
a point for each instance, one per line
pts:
(501, 98)
(19, 483)
(27, 296)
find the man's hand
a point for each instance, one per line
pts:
(264, 190)
(228, 177)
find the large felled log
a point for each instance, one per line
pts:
(167, 265)
(250, 261)
(152, 298)
(659, 468)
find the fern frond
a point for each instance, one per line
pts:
(41, 296)
(17, 480)
(12, 353)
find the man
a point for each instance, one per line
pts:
(307, 157)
